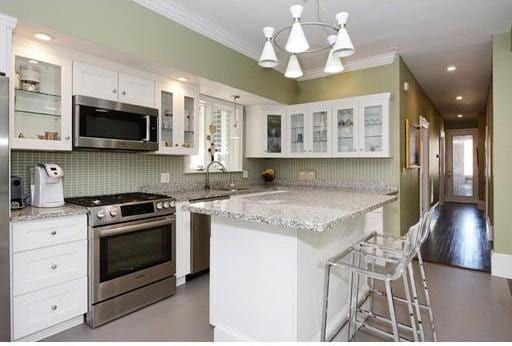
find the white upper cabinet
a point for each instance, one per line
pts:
(179, 118)
(94, 81)
(351, 127)
(41, 116)
(136, 90)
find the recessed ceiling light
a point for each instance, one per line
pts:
(451, 68)
(459, 116)
(182, 79)
(33, 61)
(43, 37)
(458, 98)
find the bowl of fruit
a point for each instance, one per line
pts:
(268, 175)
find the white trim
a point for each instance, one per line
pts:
(184, 17)
(56, 329)
(353, 65)
(8, 21)
(501, 265)
(489, 229)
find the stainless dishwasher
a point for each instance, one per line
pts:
(200, 227)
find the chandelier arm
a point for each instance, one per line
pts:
(288, 28)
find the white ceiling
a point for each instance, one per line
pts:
(429, 34)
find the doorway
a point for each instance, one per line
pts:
(461, 166)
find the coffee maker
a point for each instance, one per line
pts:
(48, 191)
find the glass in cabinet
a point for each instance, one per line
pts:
(167, 139)
(274, 133)
(373, 128)
(297, 130)
(42, 103)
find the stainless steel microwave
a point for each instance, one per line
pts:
(104, 124)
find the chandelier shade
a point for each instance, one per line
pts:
(343, 47)
(268, 58)
(293, 70)
(333, 64)
(297, 41)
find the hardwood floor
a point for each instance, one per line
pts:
(459, 238)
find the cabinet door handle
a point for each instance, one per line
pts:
(53, 266)
(124, 92)
(54, 307)
(53, 232)
(114, 90)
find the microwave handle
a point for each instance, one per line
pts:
(148, 129)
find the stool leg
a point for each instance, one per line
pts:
(325, 302)
(392, 314)
(409, 305)
(372, 284)
(427, 295)
(416, 300)
(350, 306)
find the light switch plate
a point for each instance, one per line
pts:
(245, 174)
(165, 178)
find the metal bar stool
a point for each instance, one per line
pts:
(396, 244)
(374, 263)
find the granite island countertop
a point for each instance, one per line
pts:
(305, 208)
(33, 213)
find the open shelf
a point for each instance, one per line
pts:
(36, 113)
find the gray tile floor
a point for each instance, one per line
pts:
(468, 306)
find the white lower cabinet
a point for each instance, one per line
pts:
(49, 275)
(182, 243)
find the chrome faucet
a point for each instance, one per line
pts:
(207, 176)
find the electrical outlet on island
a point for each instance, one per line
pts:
(306, 175)
(165, 178)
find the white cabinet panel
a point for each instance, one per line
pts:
(94, 81)
(35, 234)
(44, 308)
(33, 270)
(136, 90)
(182, 241)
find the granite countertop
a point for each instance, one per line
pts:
(305, 208)
(32, 213)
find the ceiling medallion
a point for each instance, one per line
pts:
(338, 43)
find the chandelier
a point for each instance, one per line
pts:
(338, 43)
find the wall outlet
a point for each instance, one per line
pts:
(165, 178)
(245, 174)
(307, 175)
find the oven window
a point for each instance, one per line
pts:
(111, 124)
(130, 252)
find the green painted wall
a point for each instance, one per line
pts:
(127, 27)
(414, 103)
(502, 141)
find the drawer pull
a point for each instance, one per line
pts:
(53, 266)
(54, 307)
(54, 233)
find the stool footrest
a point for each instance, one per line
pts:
(398, 299)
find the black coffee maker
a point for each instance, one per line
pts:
(16, 193)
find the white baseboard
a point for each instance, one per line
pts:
(225, 334)
(181, 280)
(501, 265)
(43, 334)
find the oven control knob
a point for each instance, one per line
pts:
(173, 204)
(113, 212)
(101, 214)
(166, 205)
(159, 206)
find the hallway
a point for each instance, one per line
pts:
(459, 238)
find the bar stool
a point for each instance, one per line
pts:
(375, 263)
(396, 244)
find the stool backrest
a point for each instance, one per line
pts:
(413, 238)
(427, 222)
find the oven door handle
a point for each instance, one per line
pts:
(135, 227)
(148, 128)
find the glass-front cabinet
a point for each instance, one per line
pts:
(274, 132)
(372, 129)
(178, 105)
(319, 129)
(297, 141)
(345, 129)
(41, 112)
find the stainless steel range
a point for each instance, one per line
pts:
(132, 252)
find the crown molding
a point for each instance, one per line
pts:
(8, 21)
(198, 24)
(353, 65)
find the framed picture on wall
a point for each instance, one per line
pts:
(412, 145)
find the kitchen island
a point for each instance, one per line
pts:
(268, 254)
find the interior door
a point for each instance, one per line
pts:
(461, 166)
